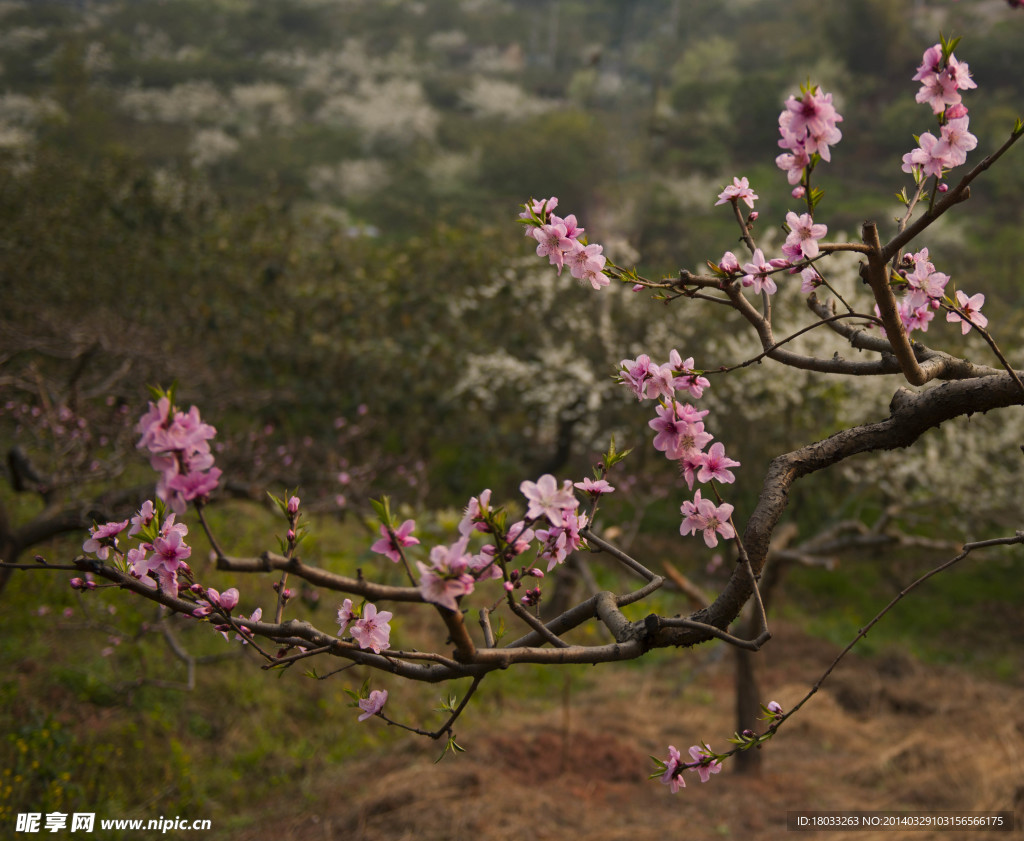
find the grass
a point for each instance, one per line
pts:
(82, 733)
(963, 616)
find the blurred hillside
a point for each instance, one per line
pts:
(298, 208)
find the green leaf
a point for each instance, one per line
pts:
(452, 746)
(948, 46)
(383, 509)
(613, 457)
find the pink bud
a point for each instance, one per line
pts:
(293, 505)
(229, 599)
(799, 192)
(943, 187)
(752, 216)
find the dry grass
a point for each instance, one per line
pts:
(885, 733)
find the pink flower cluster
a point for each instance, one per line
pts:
(558, 239)
(808, 128)
(453, 571)
(169, 553)
(801, 244)
(560, 507)
(702, 763)
(167, 546)
(681, 435)
(941, 82)
(924, 293)
(180, 451)
(650, 381)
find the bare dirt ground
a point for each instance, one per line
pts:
(884, 733)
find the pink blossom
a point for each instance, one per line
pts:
(960, 74)
(594, 487)
(196, 484)
(448, 577)
(546, 499)
(689, 464)
(678, 432)
(372, 705)
(738, 191)
(794, 164)
(226, 600)
(635, 374)
(519, 537)
(559, 541)
(716, 465)
(572, 230)
(693, 519)
(372, 630)
(938, 90)
(444, 589)
(553, 243)
(103, 538)
(757, 274)
(661, 382)
(345, 615)
(540, 207)
(243, 633)
(956, 142)
(971, 309)
(931, 62)
(808, 127)
(929, 156)
(673, 776)
(169, 554)
(472, 518)
(686, 377)
(803, 235)
(703, 515)
(391, 546)
(812, 114)
(809, 279)
(708, 766)
(926, 281)
(142, 518)
(585, 261)
(729, 263)
(915, 314)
